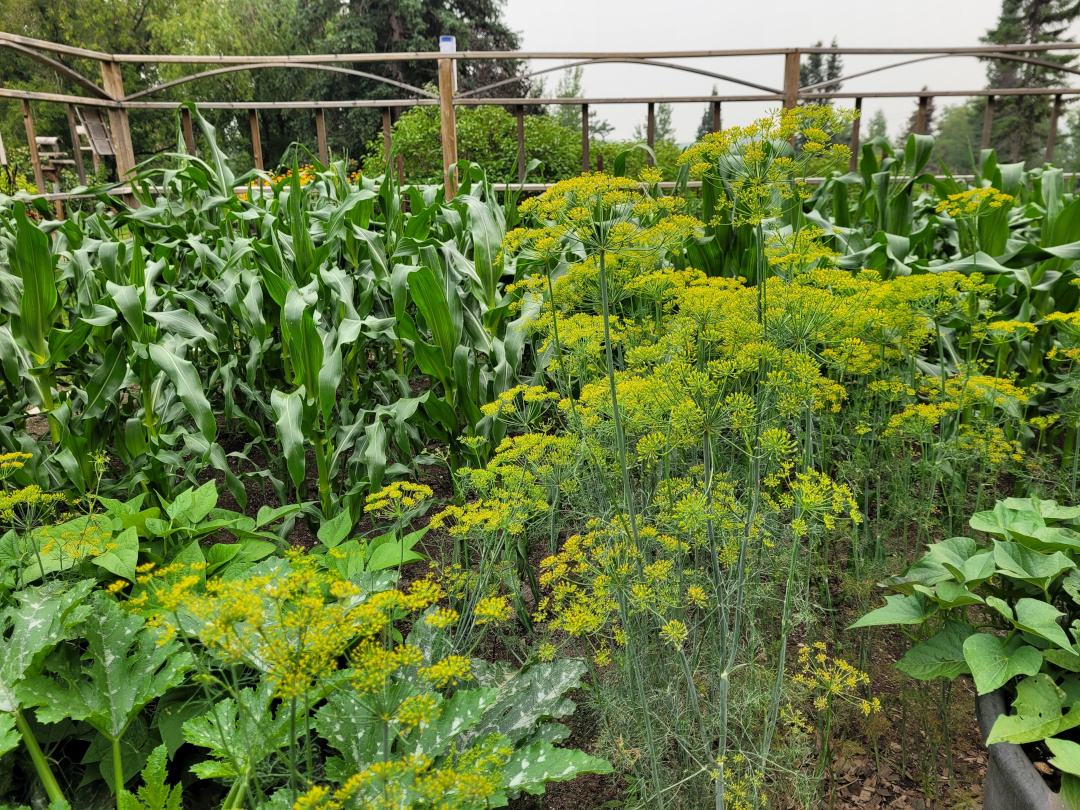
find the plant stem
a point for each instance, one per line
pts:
(41, 763)
(620, 440)
(118, 770)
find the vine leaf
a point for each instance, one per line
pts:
(1038, 706)
(941, 655)
(994, 663)
(899, 610)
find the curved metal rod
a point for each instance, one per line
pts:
(625, 60)
(260, 65)
(1006, 56)
(59, 67)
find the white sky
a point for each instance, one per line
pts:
(643, 25)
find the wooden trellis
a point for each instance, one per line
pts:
(110, 96)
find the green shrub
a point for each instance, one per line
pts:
(487, 135)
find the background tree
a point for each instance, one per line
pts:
(1020, 122)
(913, 121)
(878, 126)
(817, 68)
(665, 130)
(231, 27)
(569, 115)
(705, 127)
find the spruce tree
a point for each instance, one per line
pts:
(1020, 122)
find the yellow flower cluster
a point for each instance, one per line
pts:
(973, 202)
(832, 678)
(757, 163)
(451, 783)
(396, 498)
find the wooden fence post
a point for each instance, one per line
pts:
(1051, 135)
(853, 165)
(28, 121)
(650, 131)
(256, 139)
(76, 145)
(792, 60)
(519, 112)
(113, 83)
(188, 130)
(716, 116)
(585, 138)
(988, 123)
(448, 125)
(387, 134)
(920, 116)
(320, 133)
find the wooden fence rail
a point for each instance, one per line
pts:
(111, 96)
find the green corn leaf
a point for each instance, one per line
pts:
(431, 301)
(106, 381)
(32, 263)
(188, 386)
(288, 419)
(128, 668)
(994, 662)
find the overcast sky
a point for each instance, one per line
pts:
(643, 25)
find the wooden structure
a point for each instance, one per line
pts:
(109, 97)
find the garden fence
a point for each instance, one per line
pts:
(110, 94)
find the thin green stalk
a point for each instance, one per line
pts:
(118, 770)
(41, 763)
(620, 440)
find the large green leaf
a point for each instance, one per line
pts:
(1038, 705)
(189, 387)
(128, 668)
(941, 655)
(29, 630)
(533, 694)
(238, 738)
(1020, 562)
(914, 609)
(531, 767)
(288, 419)
(1038, 617)
(994, 662)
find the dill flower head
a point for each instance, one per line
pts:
(397, 498)
(615, 215)
(756, 164)
(973, 203)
